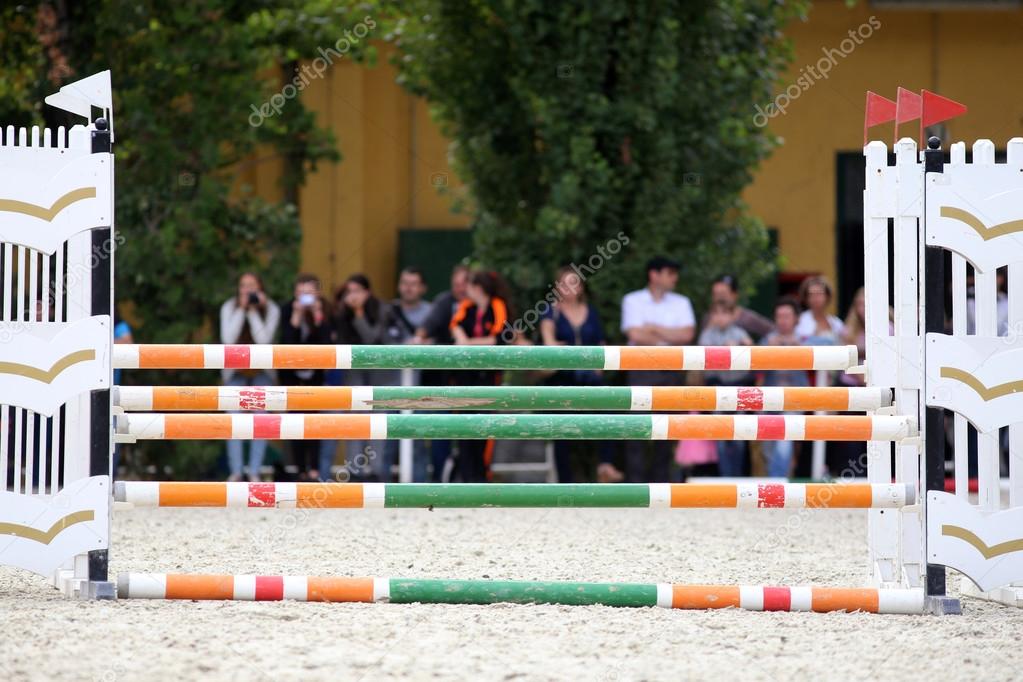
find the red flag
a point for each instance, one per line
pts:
(878, 110)
(936, 108)
(907, 108)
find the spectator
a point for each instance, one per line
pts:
(410, 310)
(572, 321)
(778, 453)
(248, 317)
(306, 321)
(437, 326)
(723, 331)
(815, 322)
(725, 289)
(437, 329)
(363, 319)
(408, 314)
(479, 321)
(655, 316)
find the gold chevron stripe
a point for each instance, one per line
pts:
(981, 546)
(46, 537)
(47, 214)
(978, 226)
(983, 391)
(45, 376)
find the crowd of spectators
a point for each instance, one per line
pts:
(476, 310)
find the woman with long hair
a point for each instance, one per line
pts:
(815, 294)
(248, 317)
(363, 319)
(481, 319)
(572, 321)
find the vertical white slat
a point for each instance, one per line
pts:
(58, 419)
(986, 306)
(78, 295)
(47, 137)
(9, 139)
(46, 423)
(4, 425)
(405, 447)
(908, 263)
(878, 206)
(30, 428)
(22, 137)
(960, 427)
(18, 450)
(33, 317)
(1014, 158)
(61, 137)
(7, 266)
(818, 463)
(19, 317)
(35, 136)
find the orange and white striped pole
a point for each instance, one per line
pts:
(751, 495)
(424, 591)
(212, 356)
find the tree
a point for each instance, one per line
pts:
(579, 125)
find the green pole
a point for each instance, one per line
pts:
(468, 495)
(406, 591)
(502, 398)
(520, 426)
(478, 357)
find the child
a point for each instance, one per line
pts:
(723, 331)
(778, 453)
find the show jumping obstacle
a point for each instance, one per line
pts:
(142, 426)
(474, 495)
(619, 398)
(412, 591)
(485, 357)
(56, 204)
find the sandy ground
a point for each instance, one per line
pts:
(46, 637)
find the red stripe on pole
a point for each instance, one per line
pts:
(771, 495)
(252, 399)
(262, 495)
(266, 426)
(236, 357)
(269, 588)
(750, 399)
(777, 599)
(770, 427)
(717, 358)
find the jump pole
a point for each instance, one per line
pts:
(212, 356)
(617, 398)
(423, 591)
(514, 495)
(172, 426)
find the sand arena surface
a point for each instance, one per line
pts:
(48, 638)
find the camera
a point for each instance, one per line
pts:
(253, 298)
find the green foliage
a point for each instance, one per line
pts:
(574, 122)
(185, 77)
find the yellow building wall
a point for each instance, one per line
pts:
(395, 158)
(392, 157)
(969, 56)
